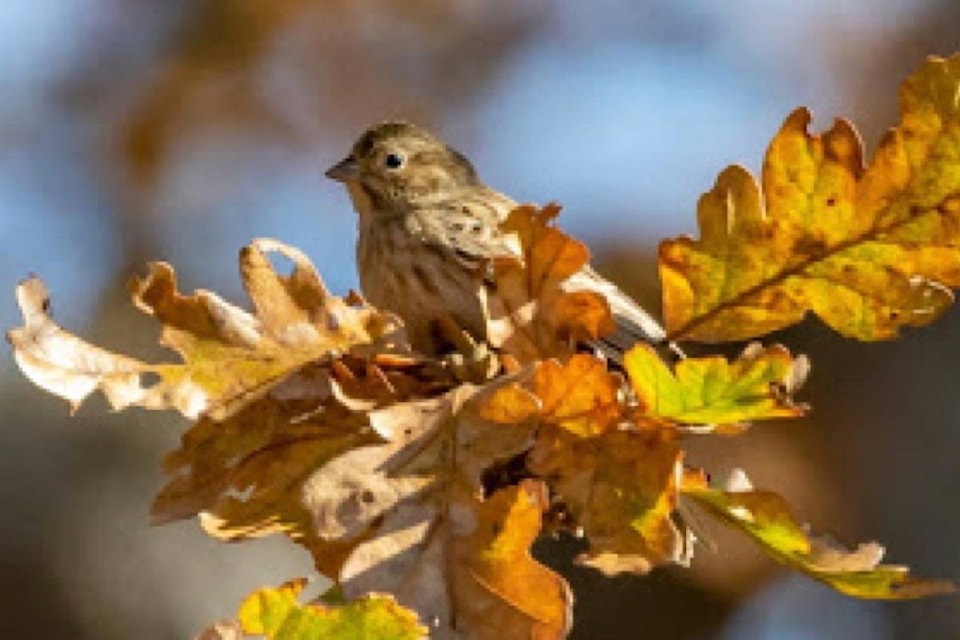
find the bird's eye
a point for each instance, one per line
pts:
(393, 161)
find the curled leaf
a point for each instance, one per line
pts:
(65, 365)
(230, 357)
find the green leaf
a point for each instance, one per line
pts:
(715, 391)
(276, 614)
(766, 517)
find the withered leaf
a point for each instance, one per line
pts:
(423, 530)
(230, 357)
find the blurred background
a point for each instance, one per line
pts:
(181, 129)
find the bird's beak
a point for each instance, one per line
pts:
(346, 170)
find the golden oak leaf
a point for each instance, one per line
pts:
(868, 250)
(620, 489)
(766, 517)
(579, 395)
(713, 391)
(230, 357)
(501, 591)
(233, 356)
(530, 315)
(511, 404)
(618, 486)
(276, 614)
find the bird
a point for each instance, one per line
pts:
(427, 227)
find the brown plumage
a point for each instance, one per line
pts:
(427, 227)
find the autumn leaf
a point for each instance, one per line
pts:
(315, 420)
(242, 475)
(579, 396)
(766, 518)
(422, 528)
(869, 250)
(280, 392)
(617, 486)
(501, 591)
(276, 614)
(531, 316)
(714, 391)
(230, 357)
(65, 365)
(619, 490)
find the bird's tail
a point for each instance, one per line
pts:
(633, 323)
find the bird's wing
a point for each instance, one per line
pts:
(467, 227)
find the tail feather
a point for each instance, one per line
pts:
(634, 324)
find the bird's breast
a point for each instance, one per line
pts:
(418, 281)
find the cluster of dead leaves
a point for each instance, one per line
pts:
(316, 420)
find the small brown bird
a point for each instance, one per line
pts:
(427, 225)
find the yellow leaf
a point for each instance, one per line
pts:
(868, 250)
(276, 614)
(619, 488)
(510, 404)
(714, 391)
(501, 591)
(580, 395)
(235, 357)
(766, 517)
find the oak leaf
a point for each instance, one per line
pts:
(276, 614)
(619, 490)
(869, 250)
(714, 393)
(766, 518)
(530, 315)
(230, 357)
(615, 479)
(421, 527)
(243, 475)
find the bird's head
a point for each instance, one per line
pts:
(397, 166)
